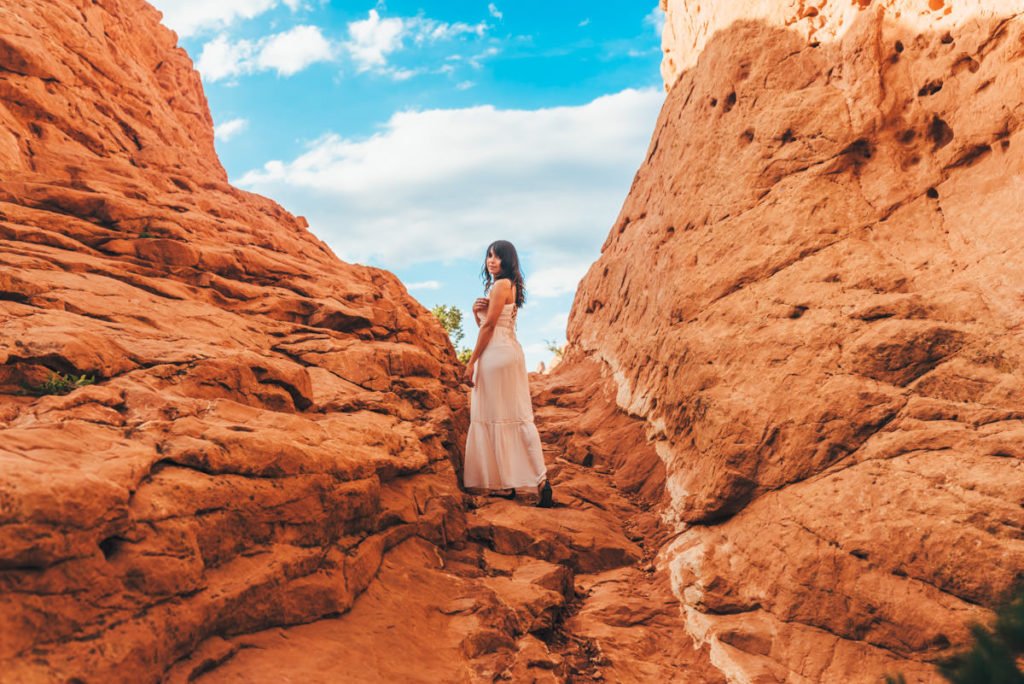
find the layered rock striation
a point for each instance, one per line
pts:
(812, 299)
(264, 421)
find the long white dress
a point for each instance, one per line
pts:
(503, 447)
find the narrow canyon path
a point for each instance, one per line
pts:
(570, 594)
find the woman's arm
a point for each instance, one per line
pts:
(494, 307)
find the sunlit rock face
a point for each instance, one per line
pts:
(265, 421)
(690, 24)
(813, 298)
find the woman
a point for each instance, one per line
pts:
(503, 448)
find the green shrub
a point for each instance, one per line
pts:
(995, 657)
(450, 317)
(58, 383)
(996, 654)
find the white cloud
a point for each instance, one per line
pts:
(656, 20)
(464, 85)
(220, 58)
(425, 30)
(585, 22)
(189, 17)
(476, 60)
(556, 280)
(372, 39)
(439, 185)
(292, 51)
(229, 129)
(425, 285)
(287, 53)
(557, 323)
(495, 12)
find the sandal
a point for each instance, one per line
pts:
(547, 497)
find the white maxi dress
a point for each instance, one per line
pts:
(503, 448)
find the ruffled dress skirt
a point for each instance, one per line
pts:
(503, 448)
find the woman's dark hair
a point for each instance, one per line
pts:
(506, 252)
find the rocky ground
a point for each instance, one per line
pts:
(572, 593)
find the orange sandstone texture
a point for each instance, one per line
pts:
(266, 421)
(813, 298)
(690, 24)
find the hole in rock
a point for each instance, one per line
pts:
(748, 135)
(714, 102)
(899, 46)
(730, 102)
(859, 148)
(966, 62)
(1005, 144)
(588, 460)
(970, 157)
(110, 545)
(787, 136)
(940, 132)
(929, 88)
(797, 311)
(932, 193)
(907, 136)
(947, 38)
(36, 129)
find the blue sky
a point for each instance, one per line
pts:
(411, 134)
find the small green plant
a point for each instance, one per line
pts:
(450, 317)
(146, 234)
(58, 383)
(553, 347)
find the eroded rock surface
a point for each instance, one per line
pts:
(569, 594)
(691, 24)
(812, 298)
(265, 421)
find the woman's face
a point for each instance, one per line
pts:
(493, 263)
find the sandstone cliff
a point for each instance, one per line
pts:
(258, 483)
(813, 299)
(265, 421)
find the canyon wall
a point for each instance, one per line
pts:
(264, 422)
(812, 297)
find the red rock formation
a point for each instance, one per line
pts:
(267, 440)
(812, 298)
(265, 421)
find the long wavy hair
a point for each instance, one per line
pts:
(506, 252)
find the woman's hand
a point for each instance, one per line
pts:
(480, 307)
(467, 376)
